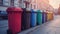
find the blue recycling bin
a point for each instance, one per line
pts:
(33, 18)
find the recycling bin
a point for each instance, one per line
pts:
(49, 16)
(33, 18)
(39, 17)
(26, 19)
(43, 17)
(14, 20)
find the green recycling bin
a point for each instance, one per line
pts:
(39, 17)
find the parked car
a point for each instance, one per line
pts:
(3, 15)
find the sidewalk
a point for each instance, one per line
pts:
(3, 26)
(52, 27)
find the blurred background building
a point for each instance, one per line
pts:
(59, 10)
(31, 4)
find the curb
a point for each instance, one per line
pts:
(29, 30)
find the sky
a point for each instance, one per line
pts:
(54, 3)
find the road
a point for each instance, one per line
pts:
(51, 27)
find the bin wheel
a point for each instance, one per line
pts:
(9, 32)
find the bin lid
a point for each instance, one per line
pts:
(49, 12)
(27, 9)
(39, 10)
(44, 11)
(33, 10)
(14, 9)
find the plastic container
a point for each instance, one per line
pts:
(33, 18)
(50, 16)
(43, 17)
(39, 17)
(14, 20)
(26, 19)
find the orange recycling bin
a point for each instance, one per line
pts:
(49, 16)
(14, 20)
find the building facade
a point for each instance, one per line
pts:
(41, 4)
(4, 4)
(59, 10)
(30, 4)
(44, 5)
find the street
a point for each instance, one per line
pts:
(51, 27)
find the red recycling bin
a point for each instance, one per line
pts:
(14, 19)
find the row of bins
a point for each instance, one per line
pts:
(24, 19)
(31, 18)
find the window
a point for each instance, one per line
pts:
(11, 2)
(1, 2)
(6, 2)
(16, 3)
